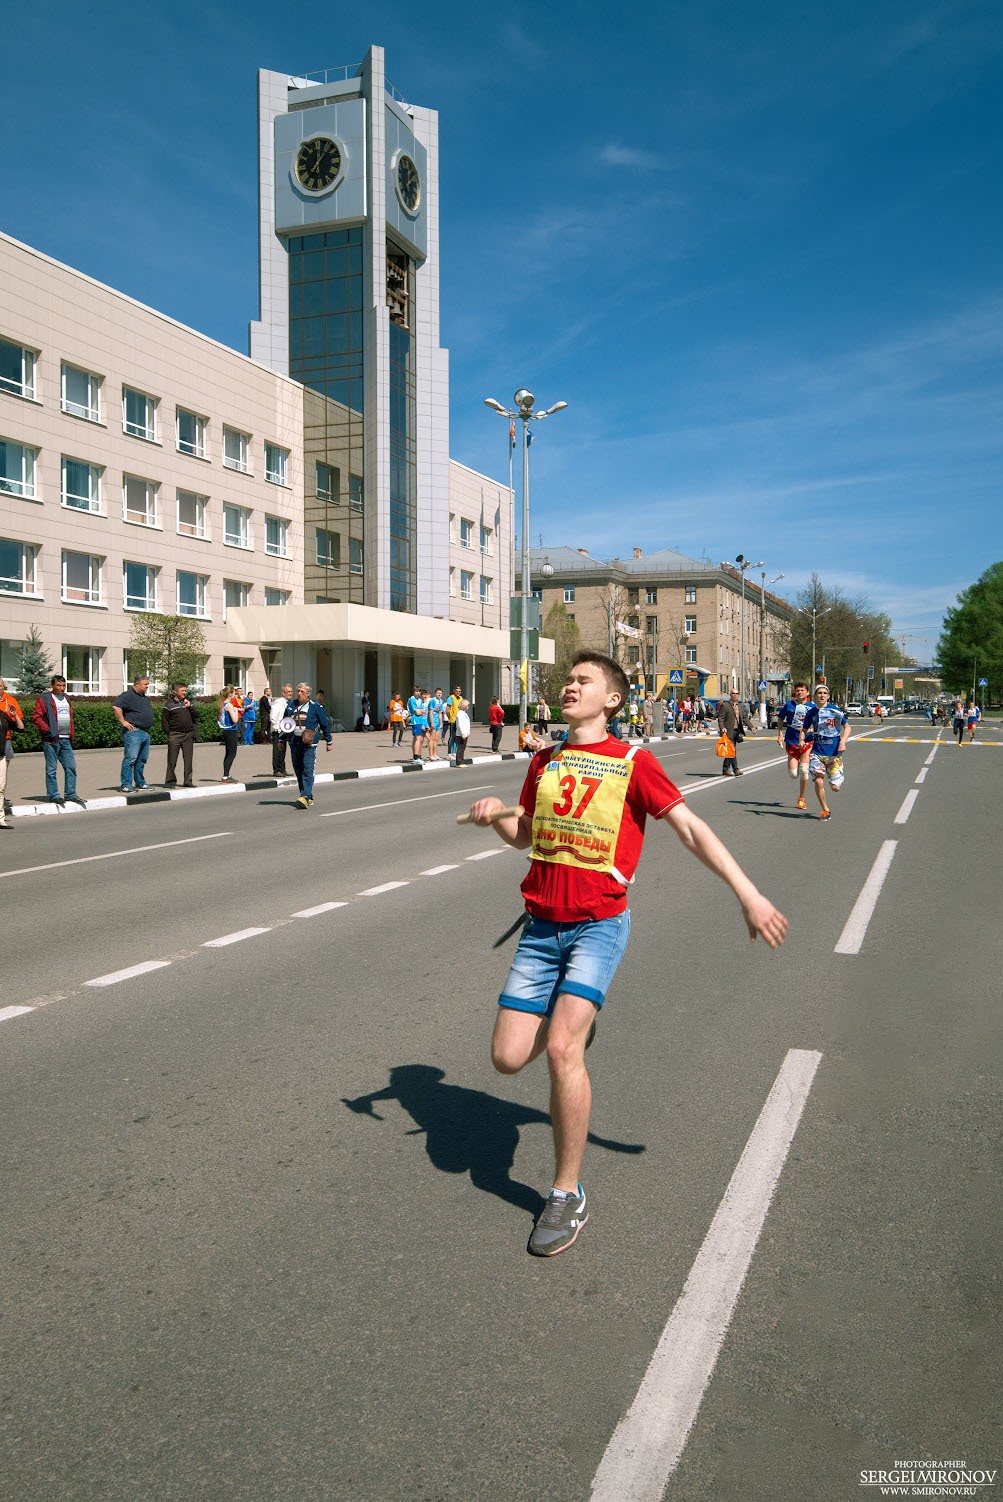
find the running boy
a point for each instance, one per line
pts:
(585, 802)
(831, 733)
(794, 732)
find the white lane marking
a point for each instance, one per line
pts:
(852, 937)
(648, 1441)
(437, 870)
(921, 774)
(907, 803)
(388, 886)
(133, 970)
(112, 855)
(7, 1012)
(483, 855)
(323, 907)
(397, 802)
(929, 759)
(245, 933)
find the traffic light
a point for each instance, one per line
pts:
(866, 645)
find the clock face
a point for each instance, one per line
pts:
(318, 164)
(408, 184)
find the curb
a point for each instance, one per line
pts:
(262, 784)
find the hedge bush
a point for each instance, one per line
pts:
(95, 725)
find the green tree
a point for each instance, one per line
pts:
(567, 641)
(171, 648)
(837, 628)
(37, 668)
(971, 642)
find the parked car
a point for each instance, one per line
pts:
(855, 707)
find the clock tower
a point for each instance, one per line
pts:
(349, 306)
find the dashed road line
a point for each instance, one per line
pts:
(907, 806)
(852, 937)
(322, 907)
(437, 870)
(388, 886)
(133, 970)
(484, 855)
(237, 938)
(647, 1443)
(7, 1012)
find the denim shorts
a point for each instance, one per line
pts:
(579, 958)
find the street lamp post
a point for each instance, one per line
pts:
(744, 564)
(524, 412)
(762, 643)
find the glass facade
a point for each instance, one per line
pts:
(326, 333)
(400, 285)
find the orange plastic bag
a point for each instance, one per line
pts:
(725, 747)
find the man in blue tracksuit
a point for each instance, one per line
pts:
(309, 721)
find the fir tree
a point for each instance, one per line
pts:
(36, 665)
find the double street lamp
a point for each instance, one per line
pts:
(744, 564)
(524, 401)
(763, 716)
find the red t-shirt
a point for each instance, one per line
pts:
(588, 805)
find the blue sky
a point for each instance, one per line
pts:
(756, 248)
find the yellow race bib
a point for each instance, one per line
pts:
(579, 808)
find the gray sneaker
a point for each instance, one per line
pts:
(559, 1223)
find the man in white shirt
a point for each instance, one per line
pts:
(279, 712)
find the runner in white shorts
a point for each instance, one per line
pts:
(832, 731)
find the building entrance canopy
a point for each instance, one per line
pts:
(367, 628)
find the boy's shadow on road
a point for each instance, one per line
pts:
(774, 810)
(468, 1131)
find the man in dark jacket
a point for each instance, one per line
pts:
(309, 721)
(52, 717)
(134, 712)
(733, 721)
(181, 728)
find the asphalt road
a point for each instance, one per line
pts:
(266, 1205)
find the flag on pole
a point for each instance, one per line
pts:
(524, 676)
(529, 440)
(511, 434)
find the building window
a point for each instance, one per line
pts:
(17, 469)
(18, 567)
(691, 655)
(237, 450)
(140, 586)
(191, 433)
(81, 489)
(82, 578)
(355, 492)
(485, 591)
(487, 541)
(569, 594)
(690, 596)
(328, 549)
(466, 585)
(651, 622)
(139, 414)
(276, 596)
(537, 592)
(650, 595)
(81, 393)
(276, 464)
(82, 669)
(452, 584)
(277, 536)
(17, 369)
(237, 526)
(192, 595)
(139, 501)
(193, 514)
(355, 555)
(235, 594)
(236, 670)
(633, 596)
(327, 483)
(691, 623)
(466, 533)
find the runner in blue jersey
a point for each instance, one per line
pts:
(795, 724)
(417, 708)
(831, 733)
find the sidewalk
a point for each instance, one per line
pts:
(352, 754)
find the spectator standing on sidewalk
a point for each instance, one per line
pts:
(53, 719)
(462, 733)
(395, 715)
(134, 712)
(249, 718)
(11, 719)
(228, 720)
(279, 711)
(496, 719)
(180, 724)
